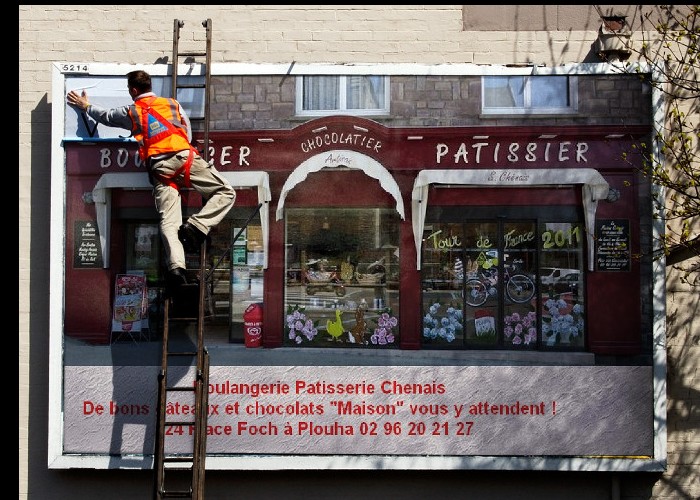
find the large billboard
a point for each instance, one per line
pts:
(289, 408)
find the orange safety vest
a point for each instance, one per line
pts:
(157, 126)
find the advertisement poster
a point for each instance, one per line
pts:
(504, 372)
(371, 410)
(130, 303)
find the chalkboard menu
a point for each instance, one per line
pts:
(87, 252)
(613, 244)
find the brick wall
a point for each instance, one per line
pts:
(267, 102)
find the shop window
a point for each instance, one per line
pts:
(323, 95)
(342, 274)
(528, 95)
(144, 258)
(503, 284)
(236, 266)
(143, 250)
(235, 269)
(561, 275)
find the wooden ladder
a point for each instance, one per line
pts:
(178, 473)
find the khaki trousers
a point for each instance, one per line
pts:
(218, 195)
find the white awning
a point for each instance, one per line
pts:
(102, 196)
(342, 158)
(595, 188)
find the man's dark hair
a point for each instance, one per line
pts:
(139, 80)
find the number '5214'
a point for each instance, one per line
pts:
(75, 68)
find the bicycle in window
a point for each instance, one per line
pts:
(519, 287)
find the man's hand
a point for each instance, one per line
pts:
(79, 101)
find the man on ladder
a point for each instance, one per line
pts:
(162, 129)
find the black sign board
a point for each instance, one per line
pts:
(87, 252)
(613, 244)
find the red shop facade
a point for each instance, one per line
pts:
(422, 223)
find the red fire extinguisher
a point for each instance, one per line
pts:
(252, 325)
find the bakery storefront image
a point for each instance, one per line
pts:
(422, 291)
(355, 235)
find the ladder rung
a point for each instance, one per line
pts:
(190, 320)
(177, 494)
(178, 458)
(192, 86)
(172, 467)
(179, 422)
(182, 353)
(193, 53)
(181, 389)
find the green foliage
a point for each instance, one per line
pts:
(669, 45)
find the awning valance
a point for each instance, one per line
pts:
(342, 158)
(595, 188)
(102, 196)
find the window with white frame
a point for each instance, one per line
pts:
(322, 95)
(529, 95)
